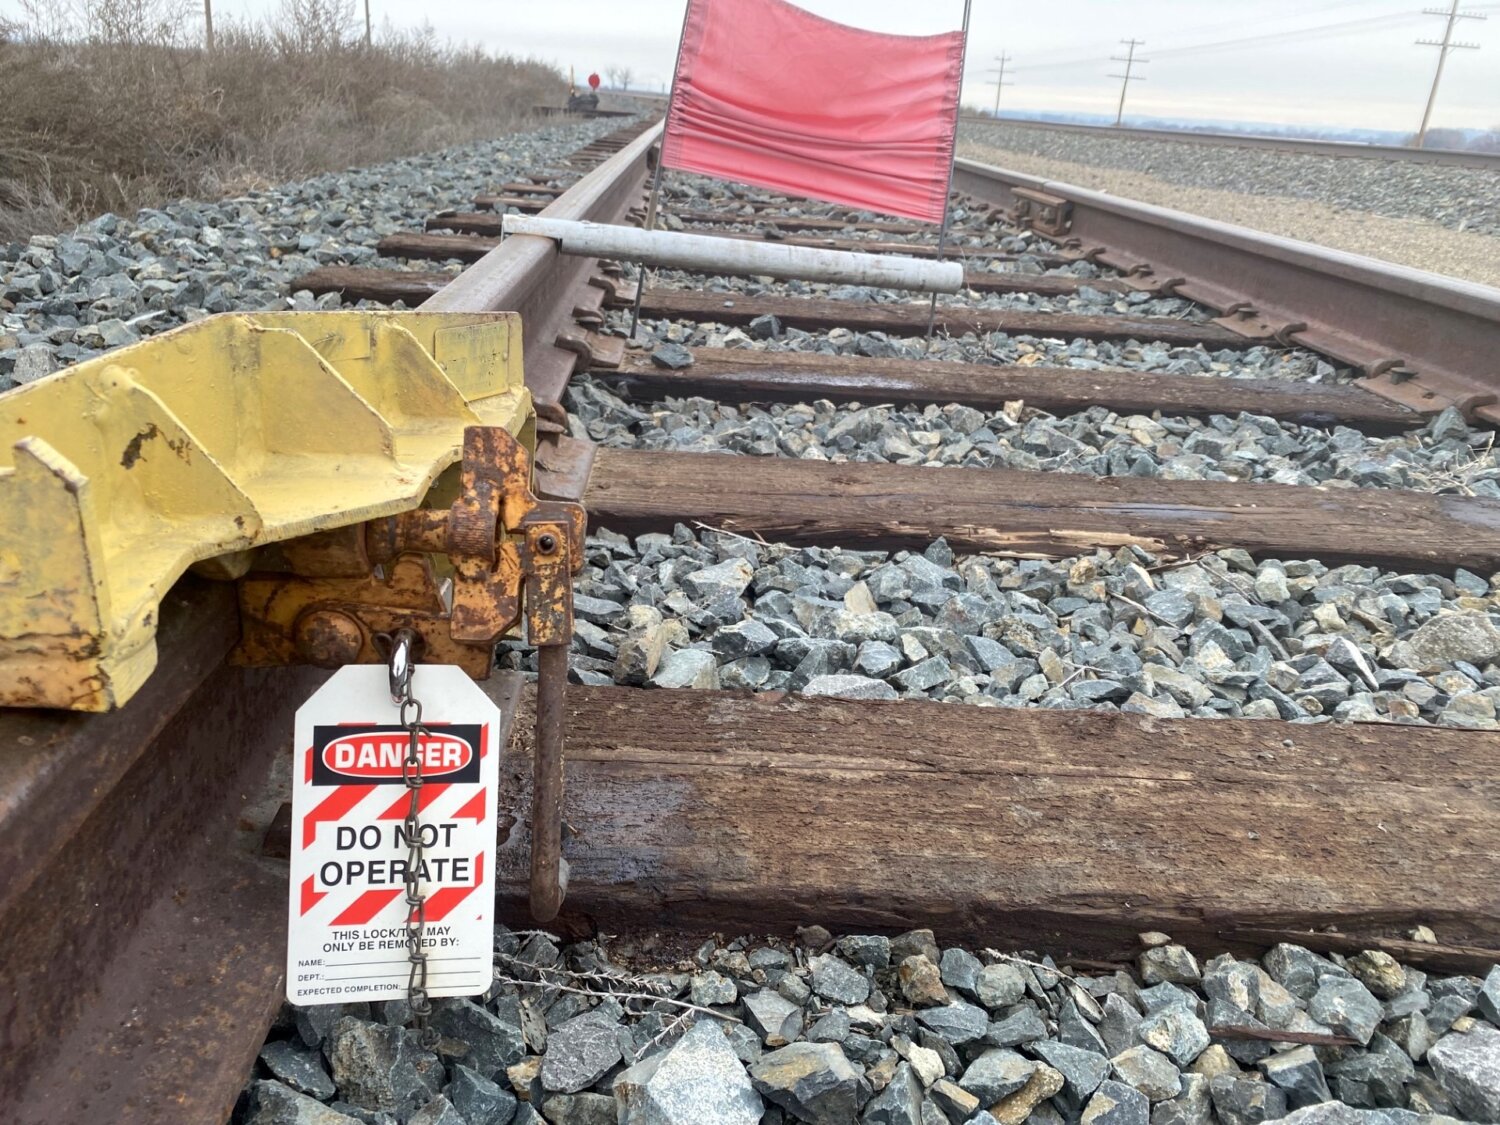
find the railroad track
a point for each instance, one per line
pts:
(1458, 158)
(1355, 150)
(145, 906)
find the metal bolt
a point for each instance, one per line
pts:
(328, 638)
(546, 542)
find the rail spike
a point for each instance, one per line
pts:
(205, 442)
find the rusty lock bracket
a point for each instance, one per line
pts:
(510, 553)
(1043, 212)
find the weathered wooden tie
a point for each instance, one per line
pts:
(518, 187)
(436, 247)
(466, 222)
(742, 375)
(802, 222)
(907, 319)
(1037, 514)
(955, 250)
(388, 286)
(1068, 831)
(524, 203)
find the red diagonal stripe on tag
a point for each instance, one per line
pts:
(365, 907)
(430, 792)
(474, 809)
(307, 772)
(311, 897)
(440, 905)
(335, 805)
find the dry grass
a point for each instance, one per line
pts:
(128, 115)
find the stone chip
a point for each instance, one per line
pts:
(813, 1081)
(699, 1081)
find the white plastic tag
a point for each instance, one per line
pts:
(346, 934)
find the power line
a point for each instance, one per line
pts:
(1367, 23)
(1259, 21)
(1444, 47)
(1323, 31)
(1127, 78)
(1000, 82)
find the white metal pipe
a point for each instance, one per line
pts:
(707, 254)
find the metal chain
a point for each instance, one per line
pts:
(402, 673)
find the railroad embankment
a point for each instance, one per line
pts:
(1431, 217)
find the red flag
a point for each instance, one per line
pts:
(771, 95)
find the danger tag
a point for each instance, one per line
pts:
(347, 930)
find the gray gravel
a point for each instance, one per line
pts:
(1219, 636)
(115, 279)
(896, 1031)
(1445, 456)
(1457, 198)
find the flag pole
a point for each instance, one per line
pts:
(661, 164)
(948, 187)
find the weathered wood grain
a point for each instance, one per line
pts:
(438, 247)
(742, 375)
(1037, 514)
(1064, 831)
(957, 251)
(910, 319)
(355, 283)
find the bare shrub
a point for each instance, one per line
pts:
(316, 25)
(28, 203)
(45, 19)
(116, 111)
(133, 22)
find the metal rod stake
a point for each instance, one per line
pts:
(948, 188)
(549, 871)
(640, 275)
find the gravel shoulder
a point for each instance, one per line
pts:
(896, 1031)
(1233, 187)
(115, 279)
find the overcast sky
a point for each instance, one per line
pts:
(1341, 62)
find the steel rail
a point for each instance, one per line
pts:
(1355, 150)
(144, 930)
(1421, 339)
(530, 275)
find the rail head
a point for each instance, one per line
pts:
(1344, 150)
(507, 277)
(1481, 299)
(528, 275)
(1420, 338)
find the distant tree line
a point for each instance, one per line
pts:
(1464, 139)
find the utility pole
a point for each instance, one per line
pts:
(369, 38)
(1453, 15)
(1000, 82)
(208, 25)
(1127, 78)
